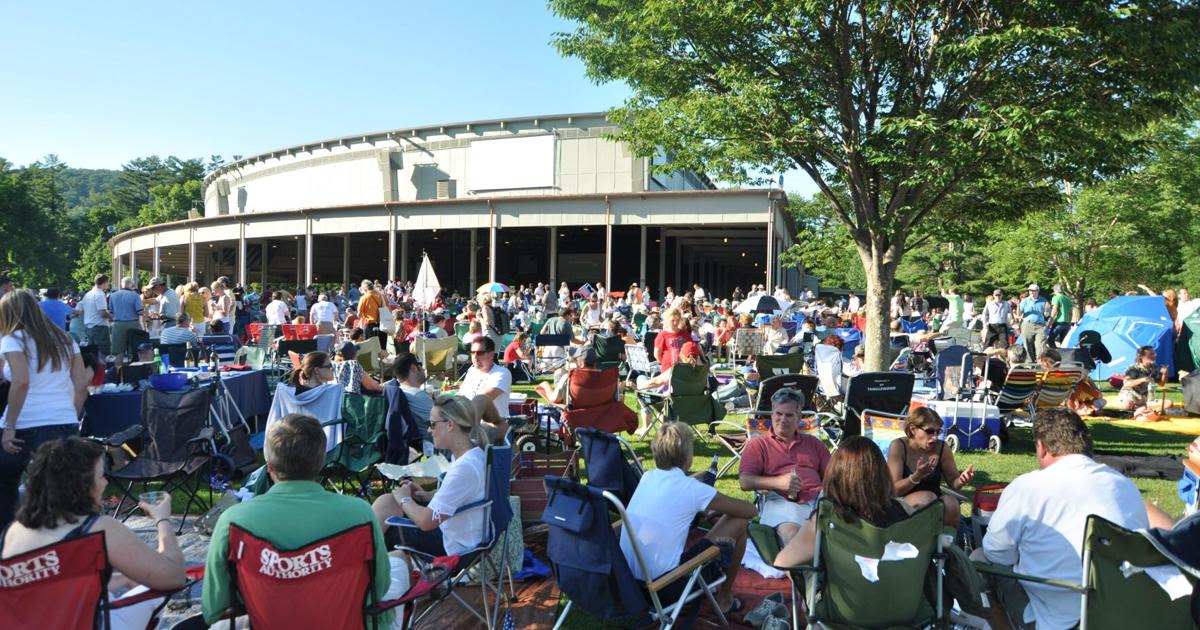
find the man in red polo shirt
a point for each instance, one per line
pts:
(786, 464)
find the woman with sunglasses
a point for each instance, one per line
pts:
(920, 463)
(455, 428)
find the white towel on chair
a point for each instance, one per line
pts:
(751, 560)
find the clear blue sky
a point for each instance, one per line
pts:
(99, 84)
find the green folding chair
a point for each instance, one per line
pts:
(609, 350)
(863, 576)
(349, 466)
(768, 365)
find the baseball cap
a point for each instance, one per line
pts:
(1034, 287)
(689, 350)
(155, 281)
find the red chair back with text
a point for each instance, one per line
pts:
(57, 586)
(323, 584)
(294, 332)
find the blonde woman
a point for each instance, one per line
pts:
(47, 391)
(222, 305)
(455, 427)
(194, 304)
(669, 342)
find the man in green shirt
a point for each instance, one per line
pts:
(293, 513)
(955, 311)
(1060, 316)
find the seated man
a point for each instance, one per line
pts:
(488, 378)
(787, 464)
(561, 324)
(1039, 524)
(294, 512)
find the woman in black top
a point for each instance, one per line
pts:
(920, 463)
(857, 483)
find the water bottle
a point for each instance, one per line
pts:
(710, 476)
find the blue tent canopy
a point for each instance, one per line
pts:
(1125, 324)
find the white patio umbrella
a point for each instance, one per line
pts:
(427, 287)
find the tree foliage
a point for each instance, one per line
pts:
(911, 108)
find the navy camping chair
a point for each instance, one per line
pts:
(911, 325)
(591, 571)
(498, 513)
(604, 456)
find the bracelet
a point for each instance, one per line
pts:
(167, 520)
(912, 480)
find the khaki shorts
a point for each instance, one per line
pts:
(1131, 398)
(120, 335)
(777, 510)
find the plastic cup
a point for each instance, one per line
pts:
(152, 497)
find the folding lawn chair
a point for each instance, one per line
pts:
(300, 332)
(178, 446)
(437, 355)
(609, 350)
(1056, 386)
(591, 401)
(1020, 386)
(748, 342)
(542, 363)
(948, 357)
(640, 360)
(363, 444)
(690, 399)
(768, 365)
(496, 513)
(590, 569)
(299, 346)
(879, 395)
(64, 585)
(610, 462)
(863, 576)
(831, 385)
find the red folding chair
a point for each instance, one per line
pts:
(592, 402)
(299, 332)
(253, 330)
(63, 586)
(327, 583)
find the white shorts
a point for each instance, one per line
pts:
(776, 510)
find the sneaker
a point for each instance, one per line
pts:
(764, 610)
(775, 622)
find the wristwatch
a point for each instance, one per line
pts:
(404, 500)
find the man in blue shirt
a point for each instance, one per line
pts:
(126, 305)
(54, 308)
(1035, 312)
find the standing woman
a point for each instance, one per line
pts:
(222, 306)
(194, 305)
(47, 393)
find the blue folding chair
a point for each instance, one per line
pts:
(607, 460)
(498, 513)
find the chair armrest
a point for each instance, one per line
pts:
(121, 437)
(802, 568)
(399, 521)
(148, 595)
(712, 426)
(956, 494)
(205, 435)
(684, 569)
(987, 567)
(334, 422)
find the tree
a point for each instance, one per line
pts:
(823, 246)
(911, 108)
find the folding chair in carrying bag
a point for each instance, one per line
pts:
(349, 466)
(592, 573)
(863, 576)
(610, 463)
(496, 513)
(591, 401)
(64, 585)
(178, 446)
(870, 398)
(690, 399)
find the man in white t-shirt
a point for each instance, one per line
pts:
(277, 311)
(96, 315)
(1038, 526)
(323, 311)
(487, 378)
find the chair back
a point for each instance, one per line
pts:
(1019, 388)
(1129, 573)
(587, 387)
(176, 353)
(172, 420)
(768, 365)
(293, 332)
(608, 350)
(806, 384)
(874, 577)
(912, 325)
(542, 340)
(638, 359)
(951, 356)
(299, 346)
(606, 463)
(748, 342)
(851, 338)
(499, 487)
(323, 584)
(1056, 386)
(690, 400)
(61, 585)
(829, 369)
(266, 336)
(880, 393)
(436, 354)
(585, 553)
(254, 331)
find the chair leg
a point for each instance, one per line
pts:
(563, 615)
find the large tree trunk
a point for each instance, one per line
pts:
(880, 269)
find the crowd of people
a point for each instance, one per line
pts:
(45, 347)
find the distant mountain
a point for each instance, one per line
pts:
(87, 186)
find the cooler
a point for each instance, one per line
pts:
(971, 423)
(983, 505)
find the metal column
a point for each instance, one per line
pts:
(553, 238)
(191, 255)
(771, 248)
(403, 256)
(346, 260)
(308, 252)
(642, 260)
(391, 241)
(474, 280)
(608, 229)
(242, 280)
(491, 244)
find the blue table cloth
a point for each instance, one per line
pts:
(108, 413)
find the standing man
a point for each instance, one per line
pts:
(54, 308)
(1060, 316)
(277, 311)
(369, 306)
(324, 312)
(1035, 311)
(96, 317)
(168, 301)
(996, 316)
(955, 312)
(126, 313)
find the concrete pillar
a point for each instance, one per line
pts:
(662, 261)
(642, 260)
(678, 267)
(491, 250)
(346, 260)
(771, 249)
(132, 262)
(191, 256)
(155, 264)
(242, 278)
(391, 241)
(262, 263)
(552, 237)
(308, 252)
(403, 254)
(473, 280)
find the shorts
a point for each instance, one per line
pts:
(99, 336)
(711, 572)
(120, 336)
(777, 510)
(1131, 398)
(425, 542)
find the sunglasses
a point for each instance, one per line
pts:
(481, 351)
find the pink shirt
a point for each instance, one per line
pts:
(769, 456)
